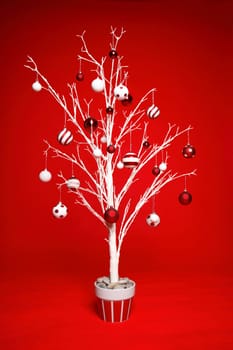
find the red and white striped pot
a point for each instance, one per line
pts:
(114, 305)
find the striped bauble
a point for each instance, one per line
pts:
(65, 137)
(130, 160)
(153, 112)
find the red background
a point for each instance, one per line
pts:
(184, 49)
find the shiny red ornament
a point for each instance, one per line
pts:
(127, 101)
(90, 124)
(113, 54)
(185, 198)
(155, 170)
(109, 110)
(111, 215)
(111, 149)
(80, 76)
(189, 151)
(146, 144)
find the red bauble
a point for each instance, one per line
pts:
(113, 53)
(80, 76)
(127, 101)
(146, 144)
(189, 151)
(109, 110)
(155, 170)
(111, 149)
(111, 215)
(185, 197)
(90, 124)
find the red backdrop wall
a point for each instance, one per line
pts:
(181, 48)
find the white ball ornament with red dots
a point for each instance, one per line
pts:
(60, 211)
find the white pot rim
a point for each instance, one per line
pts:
(115, 294)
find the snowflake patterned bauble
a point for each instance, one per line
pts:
(97, 85)
(45, 175)
(185, 197)
(113, 54)
(60, 211)
(153, 112)
(189, 151)
(120, 165)
(109, 110)
(127, 101)
(111, 215)
(146, 144)
(153, 220)
(65, 137)
(121, 92)
(36, 86)
(111, 149)
(155, 170)
(97, 152)
(80, 76)
(163, 166)
(73, 184)
(130, 160)
(90, 124)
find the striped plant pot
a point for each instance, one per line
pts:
(114, 305)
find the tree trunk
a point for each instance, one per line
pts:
(114, 256)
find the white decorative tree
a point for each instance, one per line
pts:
(100, 140)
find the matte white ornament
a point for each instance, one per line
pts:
(103, 139)
(45, 175)
(36, 86)
(73, 183)
(153, 220)
(153, 112)
(97, 85)
(60, 211)
(121, 92)
(163, 166)
(97, 152)
(120, 165)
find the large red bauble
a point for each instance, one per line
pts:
(189, 151)
(155, 170)
(185, 198)
(90, 124)
(111, 215)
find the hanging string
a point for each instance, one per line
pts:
(156, 159)
(60, 193)
(153, 97)
(188, 137)
(64, 119)
(130, 139)
(80, 65)
(46, 159)
(185, 183)
(72, 169)
(153, 203)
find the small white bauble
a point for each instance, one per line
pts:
(73, 183)
(97, 85)
(60, 211)
(36, 86)
(97, 153)
(120, 165)
(45, 175)
(163, 166)
(153, 220)
(153, 112)
(121, 92)
(103, 139)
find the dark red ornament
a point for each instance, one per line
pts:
(127, 101)
(113, 54)
(90, 124)
(111, 215)
(111, 149)
(146, 144)
(109, 110)
(155, 170)
(185, 197)
(189, 151)
(80, 76)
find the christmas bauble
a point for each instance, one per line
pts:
(113, 53)
(130, 160)
(146, 144)
(36, 86)
(97, 85)
(45, 175)
(120, 165)
(155, 170)
(111, 215)
(73, 183)
(65, 137)
(153, 220)
(111, 149)
(90, 124)
(153, 112)
(185, 198)
(109, 110)
(189, 151)
(60, 211)
(163, 166)
(97, 152)
(80, 76)
(121, 92)
(103, 139)
(127, 101)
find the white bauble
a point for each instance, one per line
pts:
(45, 175)
(163, 166)
(60, 211)
(103, 139)
(97, 85)
(36, 86)
(120, 165)
(73, 184)
(153, 112)
(121, 92)
(97, 153)
(153, 220)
